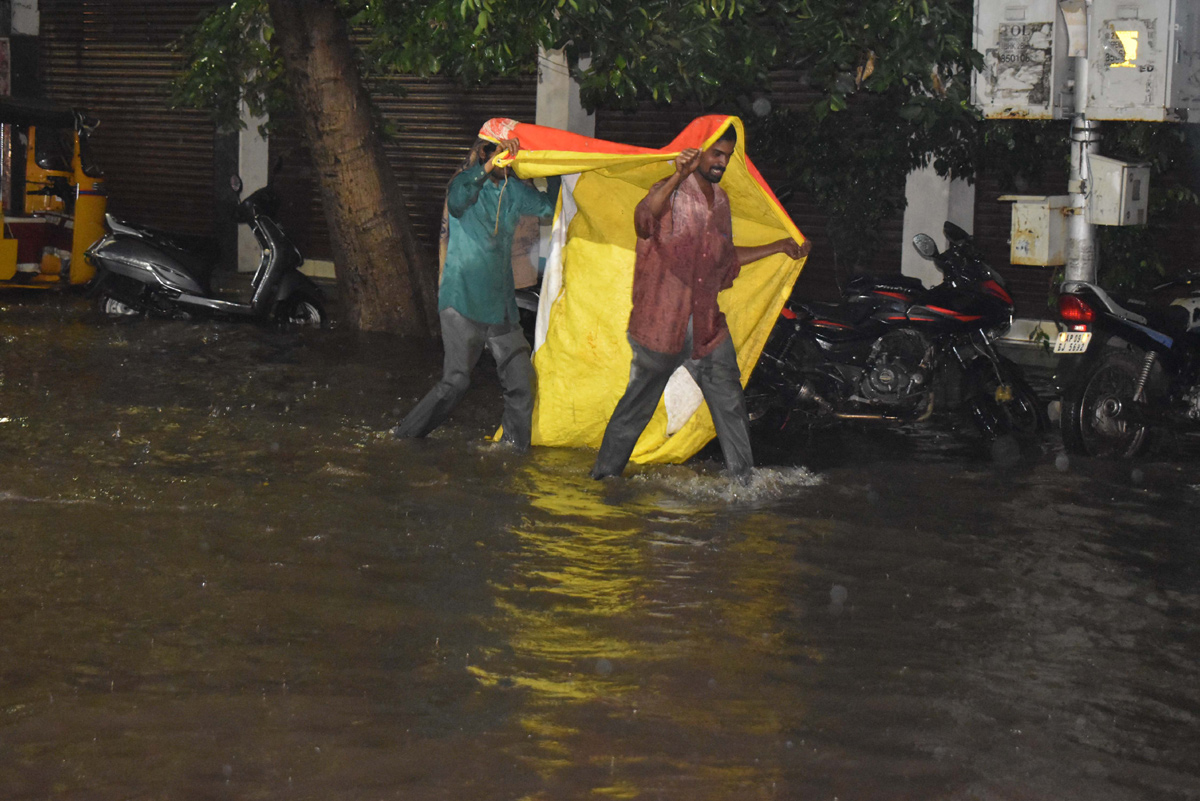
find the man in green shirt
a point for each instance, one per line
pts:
(477, 301)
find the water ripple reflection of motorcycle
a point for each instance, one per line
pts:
(893, 350)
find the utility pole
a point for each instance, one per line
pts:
(1085, 141)
(1085, 60)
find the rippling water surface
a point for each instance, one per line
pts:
(220, 579)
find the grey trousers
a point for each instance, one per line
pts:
(719, 380)
(463, 340)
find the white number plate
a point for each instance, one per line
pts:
(1072, 342)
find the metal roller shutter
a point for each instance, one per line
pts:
(114, 58)
(432, 121)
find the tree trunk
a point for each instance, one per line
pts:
(384, 283)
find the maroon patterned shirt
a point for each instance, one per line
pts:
(679, 270)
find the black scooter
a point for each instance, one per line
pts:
(893, 350)
(141, 271)
(1128, 365)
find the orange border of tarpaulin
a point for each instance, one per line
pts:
(582, 357)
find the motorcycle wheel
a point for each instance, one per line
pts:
(112, 307)
(1005, 408)
(1022, 414)
(1091, 419)
(302, 311)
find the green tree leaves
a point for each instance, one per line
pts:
(230, 58)
(891, 75)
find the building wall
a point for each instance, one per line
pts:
(166, 167)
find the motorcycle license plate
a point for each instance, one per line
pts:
(1072, 341)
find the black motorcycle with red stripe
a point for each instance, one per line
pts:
(895, 350)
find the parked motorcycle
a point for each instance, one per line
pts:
(144, 271)
(894, 350)
(1129, 366)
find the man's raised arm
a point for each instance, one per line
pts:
(655, 203)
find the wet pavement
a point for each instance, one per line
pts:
(220, 579)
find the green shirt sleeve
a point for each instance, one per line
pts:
(464, 190)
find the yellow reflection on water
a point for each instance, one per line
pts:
(644, 635)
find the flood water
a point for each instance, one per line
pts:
(221, 579)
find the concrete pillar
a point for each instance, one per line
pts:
(253, 167)
(26, 18)
(558, 106)
(932, 200)
(558, 103)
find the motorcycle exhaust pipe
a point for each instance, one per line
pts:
(852, 416)
(892, 418)
(810, 395)
(807, 393)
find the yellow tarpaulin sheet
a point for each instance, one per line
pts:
(580, 351)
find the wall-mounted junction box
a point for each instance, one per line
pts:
(1039, 229)
(1117, 192)
(1143, 58)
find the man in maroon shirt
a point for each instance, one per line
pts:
(685, 257)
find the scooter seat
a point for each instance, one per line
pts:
(1173, 321)
(197, 253)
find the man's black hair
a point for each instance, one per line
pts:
(730, 135)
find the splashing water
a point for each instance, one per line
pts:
(763, 484)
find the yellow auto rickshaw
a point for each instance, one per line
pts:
(52, 195)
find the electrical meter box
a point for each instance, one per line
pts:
(1039, 229)
(1144, 60)
(1118, 192)
(1026, 72)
